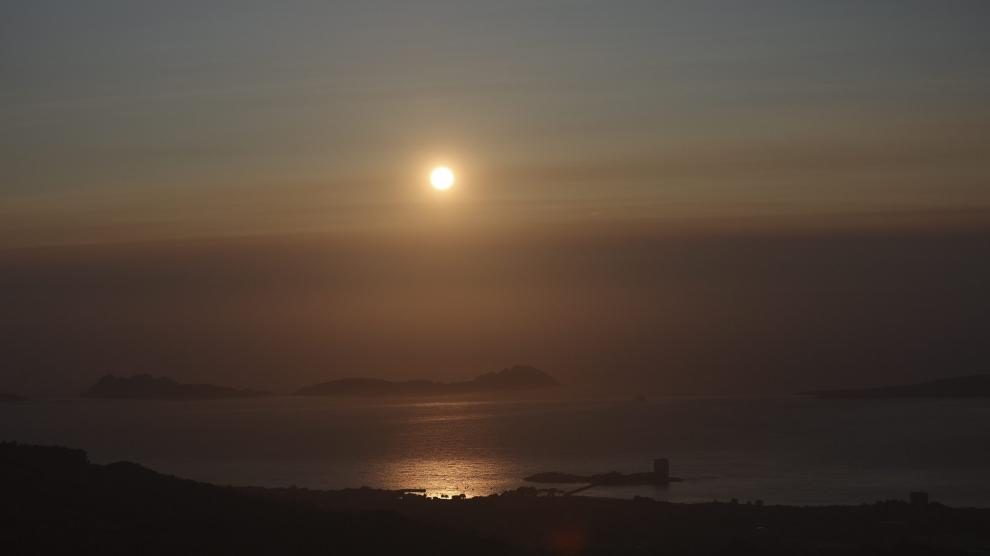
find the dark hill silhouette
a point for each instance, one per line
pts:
(56, 502)
(512, 379)
(147, 387)
(959, 387)
(6, 397)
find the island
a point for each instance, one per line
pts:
(148, 387)
(513, 379)
(612, 478)
(972, 386)
(659, 476)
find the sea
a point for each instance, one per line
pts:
(789, 450)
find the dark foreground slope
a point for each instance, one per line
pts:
(538, 522)
(56, 502)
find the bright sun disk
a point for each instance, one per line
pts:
(441, 178)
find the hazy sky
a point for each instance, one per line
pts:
(668, 196)
(162, 119)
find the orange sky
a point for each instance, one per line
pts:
(681, 196)
(196, 121)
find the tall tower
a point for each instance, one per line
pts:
(661, 470)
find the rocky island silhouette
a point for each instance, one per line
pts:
(659, 476)
(148, 387)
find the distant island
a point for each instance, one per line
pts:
(6, 397)
(147, 387)
(659, 476)
(611, 478)
(972, 386)
(512, 379)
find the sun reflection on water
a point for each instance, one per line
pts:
(442, 477)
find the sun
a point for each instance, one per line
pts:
(441, 178)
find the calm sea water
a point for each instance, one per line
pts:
(792, 451)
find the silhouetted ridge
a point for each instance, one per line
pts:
(516, 378)
(959, 387)
(147, 387)
(56, 502)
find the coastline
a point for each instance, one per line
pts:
(59, 501)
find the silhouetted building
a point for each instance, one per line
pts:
(661, 470)
(919, 498)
